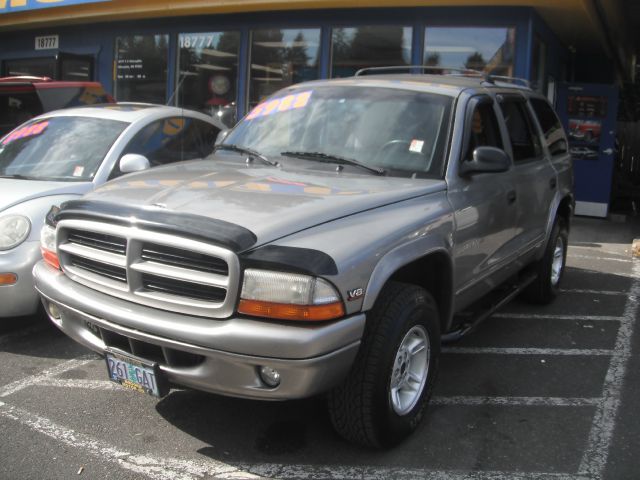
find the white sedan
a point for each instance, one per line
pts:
(64, 154)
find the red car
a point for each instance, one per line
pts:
(22, 98)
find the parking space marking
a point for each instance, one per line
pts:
(594, 352)
(593, 292)
(596, 454)
(597, 259)
(148, 465)
(86, 384)
(516, 401)
(580, 318)
(18, 385)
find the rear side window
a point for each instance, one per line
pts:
(524, 139)
(17, 105)
(65, 97)
(551, 126)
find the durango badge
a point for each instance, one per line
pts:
(354, 294)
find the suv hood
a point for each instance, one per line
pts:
(15, 191)
(271, 202)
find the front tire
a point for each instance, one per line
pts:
(384, 397)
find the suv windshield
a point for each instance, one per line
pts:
(58, 148)
(404, 132)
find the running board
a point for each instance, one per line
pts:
(469, 320)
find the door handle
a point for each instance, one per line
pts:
(552, 183)
(511, 196)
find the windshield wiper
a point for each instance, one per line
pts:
(328, 158)
(237, 148)
(19, 177)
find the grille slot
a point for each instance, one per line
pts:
(154, 353)
(99, 241)
(110, 271)
(178, 257)
(182, 288)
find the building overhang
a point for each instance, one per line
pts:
(583, 25)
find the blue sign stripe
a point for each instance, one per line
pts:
(10, 6)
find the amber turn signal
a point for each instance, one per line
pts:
(8, 278)
(51, 258)
(282, 311)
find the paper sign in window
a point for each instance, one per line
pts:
(28, 131)
(283, 104)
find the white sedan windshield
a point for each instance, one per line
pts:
(401, 131)
(58, 148)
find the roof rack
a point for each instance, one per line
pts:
(519, 82)
(469, 72)
(441, 70)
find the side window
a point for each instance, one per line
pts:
(551, 126)
(484, 131)
(524, 139)
(208, 134)
(166, 141)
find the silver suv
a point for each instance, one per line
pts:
(340, 232)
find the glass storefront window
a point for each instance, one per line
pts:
(141, 68)
(486, 49)
(208, 76)
(538, 65)
(282, 57)
(354, 48)
(38, 67)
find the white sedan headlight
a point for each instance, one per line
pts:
(14, 229)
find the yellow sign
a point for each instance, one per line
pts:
(9, 6)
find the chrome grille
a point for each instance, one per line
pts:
(155, 269)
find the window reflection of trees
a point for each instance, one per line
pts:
(485, 49)
(282, 57)
(369, 46)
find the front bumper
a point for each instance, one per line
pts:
(225, 355)
(20, 298)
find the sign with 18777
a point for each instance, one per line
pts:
(46, 43)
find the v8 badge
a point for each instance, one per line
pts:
(354, 294)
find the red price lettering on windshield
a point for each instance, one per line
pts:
(290, 102)
(28, 131)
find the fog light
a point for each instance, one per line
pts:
(8, 278)
(270, 376)
(54, 311)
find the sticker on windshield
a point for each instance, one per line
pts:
(283, 104)
(416, 146)
(78, 171)
(28, 131)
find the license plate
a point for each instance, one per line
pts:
(136, 374)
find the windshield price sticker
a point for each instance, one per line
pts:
(46, 43)
(28, 131)
(290, 102)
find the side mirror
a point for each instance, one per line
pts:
(133, 162)
(486, 160)
(222, 134)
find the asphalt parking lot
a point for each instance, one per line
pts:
(537, 393)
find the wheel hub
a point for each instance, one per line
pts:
(410, 370)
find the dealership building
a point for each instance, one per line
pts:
(225, 56)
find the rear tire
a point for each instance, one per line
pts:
(550, 268)
(383, 399)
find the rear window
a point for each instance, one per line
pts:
(65, 97)
(17, 105)
(58, 148)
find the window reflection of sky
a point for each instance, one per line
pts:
(455, 45)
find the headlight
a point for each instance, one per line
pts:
(14, 229)
(288, 296)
